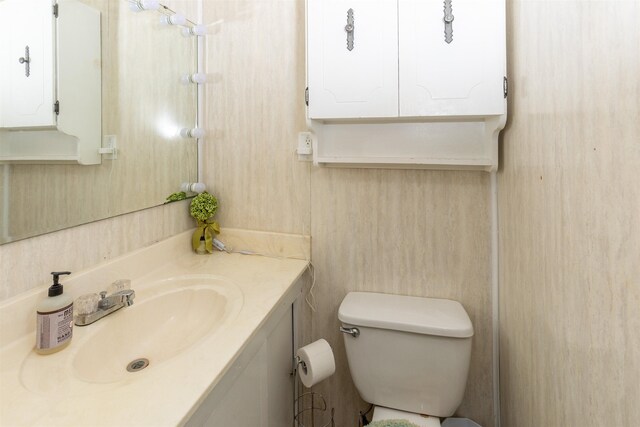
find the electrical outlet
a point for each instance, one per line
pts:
(305, 145)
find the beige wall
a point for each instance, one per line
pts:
(569, 206)
(26, 264)
(570, 216)
(410, 232)
(254, 110)
(416, 233)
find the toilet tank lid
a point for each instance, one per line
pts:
(429, 316)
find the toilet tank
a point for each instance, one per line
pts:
(412, 353)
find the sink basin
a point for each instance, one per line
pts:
(168, 318)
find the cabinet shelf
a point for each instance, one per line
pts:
(407, 163)
(452, 144)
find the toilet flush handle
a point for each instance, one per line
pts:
(354, 332)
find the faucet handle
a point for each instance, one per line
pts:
(118, 286)
(86, 304)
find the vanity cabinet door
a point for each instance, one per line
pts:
(461, 78)
(258, 389)
(27, 101)
(352, 74)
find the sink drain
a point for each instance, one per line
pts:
(138, 365)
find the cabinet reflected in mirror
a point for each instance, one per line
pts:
(144, 106)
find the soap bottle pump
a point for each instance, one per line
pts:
(55, 318)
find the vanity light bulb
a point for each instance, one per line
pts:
(140, 5)
(198, 187)
(197, 78)
(175, 19)
(192, 133)
(193, 187)
(196, 30)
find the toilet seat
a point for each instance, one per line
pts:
(381, 413)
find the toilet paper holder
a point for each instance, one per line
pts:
(300, 363)
(317, 403)
(315, 362)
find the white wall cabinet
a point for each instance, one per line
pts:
(358, 82)
(461, 78)
(404, 88)
(50, 82)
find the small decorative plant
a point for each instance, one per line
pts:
(176, 197)
(203, 208)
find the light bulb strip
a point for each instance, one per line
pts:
(142, 5)
(195, 30)
(195, 78)
(191, 28)
(175, 19)
(195, 133)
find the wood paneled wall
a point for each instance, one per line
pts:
(570, 216)
(420, 233)
(26, 264)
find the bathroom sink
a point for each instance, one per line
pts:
(168, 318)
(197, 319)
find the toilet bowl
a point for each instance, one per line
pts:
(408, 356)
(381, 413)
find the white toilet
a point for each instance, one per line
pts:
(408, 356)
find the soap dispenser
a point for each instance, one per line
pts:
(55, 319)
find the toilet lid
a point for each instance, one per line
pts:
(429, 316)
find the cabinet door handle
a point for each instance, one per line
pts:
(448, 21)
(350, 28)
(26, 60)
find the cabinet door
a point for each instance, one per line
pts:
(363, 81)
(27, 100)
(258, 389)
(460, 78)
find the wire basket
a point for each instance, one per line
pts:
(311, 402)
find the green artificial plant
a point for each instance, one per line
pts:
(176, 197)
(203, 208)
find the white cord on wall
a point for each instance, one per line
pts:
(201, 69)
(5, 202)
(495, 299)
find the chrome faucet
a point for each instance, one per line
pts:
(106, 306)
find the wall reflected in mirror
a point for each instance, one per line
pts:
(145, 104)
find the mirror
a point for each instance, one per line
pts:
(145, 102)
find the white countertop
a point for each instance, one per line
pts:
(167, 394)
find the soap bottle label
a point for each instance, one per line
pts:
(55, 328)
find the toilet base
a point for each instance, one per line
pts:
(381, 413)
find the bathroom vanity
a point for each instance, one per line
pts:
(217, 331)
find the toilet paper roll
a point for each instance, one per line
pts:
(316, 362)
